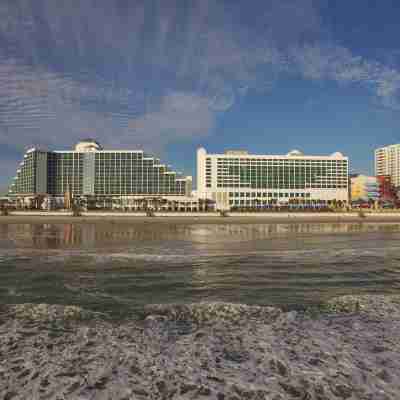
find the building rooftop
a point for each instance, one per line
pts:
(88, 145)
(292, 153)
(237, 152)
(295, 153)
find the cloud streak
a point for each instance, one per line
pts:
(181, 116)
(335, 63)
(153, 73)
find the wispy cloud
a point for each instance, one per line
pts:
(45, 108)
(152, 73)
(181, 116)
(335, 63)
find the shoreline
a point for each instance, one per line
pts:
(346, 348)
(197, 218)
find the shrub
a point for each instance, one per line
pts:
(76, 210)
(3, 211)
(361, 214)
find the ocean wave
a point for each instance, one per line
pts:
(261, 353)
(169, 256)
(210, 312)
(206, 312)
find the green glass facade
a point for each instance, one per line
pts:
(65, 171)
(258, 173)
(24, 182)
(134, 173)
(99, 173)
(31, 175)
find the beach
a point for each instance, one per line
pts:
(198, 218)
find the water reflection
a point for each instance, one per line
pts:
(53, 236)
(119, 268)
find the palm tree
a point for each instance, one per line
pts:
(156, 203)
(143, 204)
(3, 209)
(202, 204)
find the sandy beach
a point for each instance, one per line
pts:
(198, 218)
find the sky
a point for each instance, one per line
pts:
(171, 76)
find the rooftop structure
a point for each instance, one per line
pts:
(87, 145)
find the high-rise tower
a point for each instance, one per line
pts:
(387, 163)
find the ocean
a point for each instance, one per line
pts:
(117, 269)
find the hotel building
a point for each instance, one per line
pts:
(387, 163)
(240, 179)
(90, 170)
(365, 188)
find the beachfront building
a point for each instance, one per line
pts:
(387, 191)
(237, 179)
(90, 172)
(387, 163)
(365, 188)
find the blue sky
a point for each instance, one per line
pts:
(169, 76)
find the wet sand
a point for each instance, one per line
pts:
(247, 218)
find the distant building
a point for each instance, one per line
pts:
(364, 188)
(90, 170)
(240, 179)
(387, 191)
(387, 163)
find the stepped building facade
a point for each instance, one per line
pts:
(90, 170)
(240, 179)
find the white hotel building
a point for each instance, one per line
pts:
(387, 162)
(240, 179)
